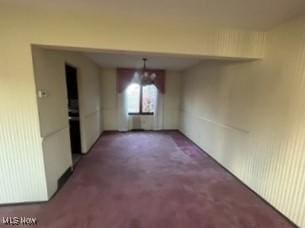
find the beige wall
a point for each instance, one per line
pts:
(109, 102)
(49, 67)
(172, 98)
(22, 170)
(250, 117)
(108, 99)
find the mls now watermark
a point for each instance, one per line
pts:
(23, 221)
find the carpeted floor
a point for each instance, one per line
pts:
(150, 180)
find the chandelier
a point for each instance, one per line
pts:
(146, 76)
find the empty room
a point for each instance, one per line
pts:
(152, 114)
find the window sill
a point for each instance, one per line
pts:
(141, 114)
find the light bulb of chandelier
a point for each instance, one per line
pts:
(153, 76)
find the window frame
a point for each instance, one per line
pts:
(141, 105)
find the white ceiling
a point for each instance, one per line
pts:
(110, 60)
(250, 14)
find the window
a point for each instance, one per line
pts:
(149, 94)
(141, 99)
(133, 98)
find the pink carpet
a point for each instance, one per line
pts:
(150, 180)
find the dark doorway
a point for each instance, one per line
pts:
(73, 107)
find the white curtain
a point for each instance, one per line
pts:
(123, 117)
(158, 112)
(122, 111)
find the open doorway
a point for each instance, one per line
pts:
(73, 112)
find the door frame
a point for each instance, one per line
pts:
(67, 63)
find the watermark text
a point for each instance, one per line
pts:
(22, 221)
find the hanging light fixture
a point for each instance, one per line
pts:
(146, 77)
